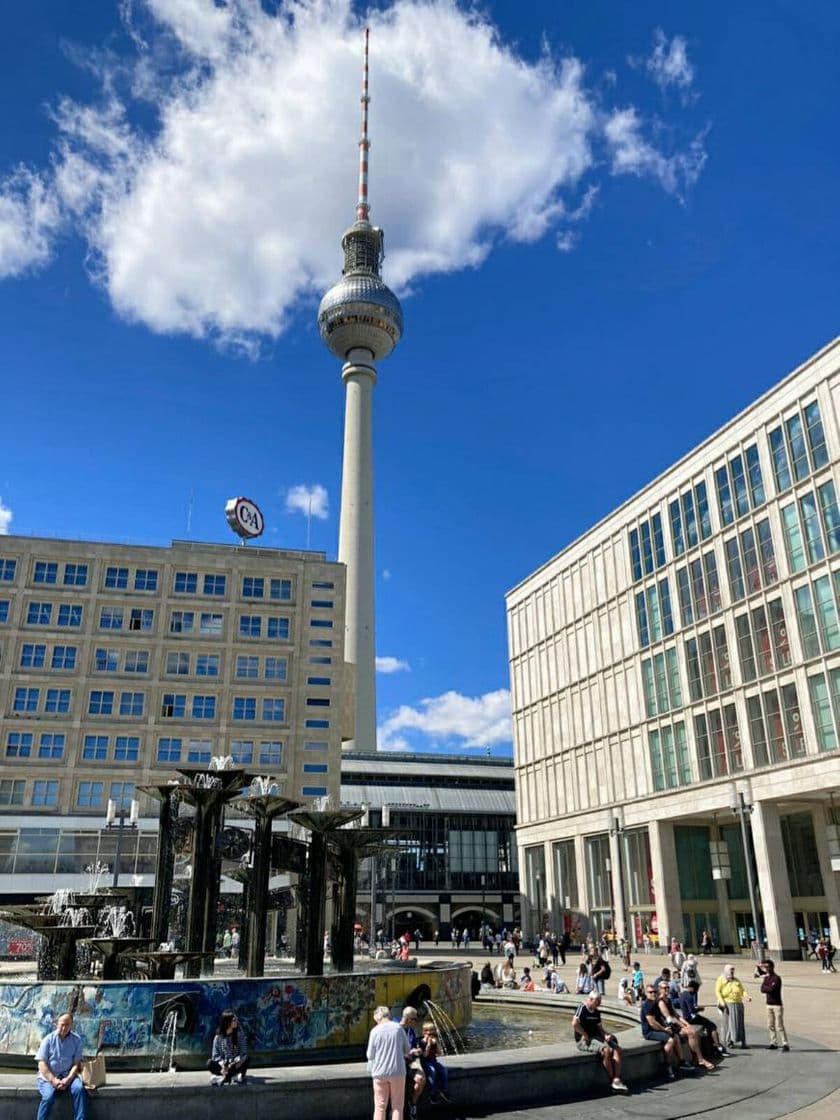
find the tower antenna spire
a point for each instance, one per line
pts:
(363, 206)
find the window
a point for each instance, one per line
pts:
(169, 750)
(116, 578)
(214, 584)
(126, 748)
(661, 683)
(751, 563)
(766, 553)
(653, 613)
(111, 618)
(89, 795)
(798, 447)
(816, 436)
(320, 643)
(186, 583)
(253, 587)
(26, 700)
(181, 622)
(122, 794)
(7, 570)
(242, 751)
(70, 614)
(199, 751)
(248, 667)
(106, 660)
(830, 516)
(177, 664)
(323, 623)
(727, 514)
(204, 707)
(100, 703)
(173, 705)
(313, 791)
(275, 668)
(793, 538)
(315, 768)
(281, 589)
(244, 708)
(250, 625)
(32, 656)
(63, 657)
(317, 724)
(775, 726)
(11, 792)
(146, 579)
(322, 604)
(318, 680)
(320, 660)
(754, 479)
(818, 628)
(45, 572)
(141, 619)
(317, 702)
(19, 744)
(4, 610)
(75, 575)
(811, 525)
(322, 585)
(740, 487)
(210, 623)
(45, 794)
(826, 708)
(132, 703)
(207, 665)
(778, 453)
(271, 753)
(319, 745)
(39, 614)
(718, 743)
(51, 745)
(279, 627)
(137, 661)
(670, 766)
(95, 748)
(273, 709)
(58, 700)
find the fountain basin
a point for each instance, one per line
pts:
(286, 1019)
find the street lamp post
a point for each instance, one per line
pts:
(115, 819)
(538, 883)
(483, 908)
(743, 808)
(620, 920)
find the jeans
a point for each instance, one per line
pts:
(437, 1077)
(76, 1090)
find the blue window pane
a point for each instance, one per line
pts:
(75, 575)
(798, 453)
(169, 750)
(647, 549)
(145, 579)
(253, 587)
(313, 791)
(4, 610)
(7, 570)
(816, 436)
(756, 482)
(132, 703)
(214, 585)
(281, 589)
(32, 656)
(273, 709)
(207, 665)
(116, 578)
(51, 745)
(831, 515)
(70, 614)
(727, 515)
(25, 700)
(635, 555)
(658, 541)
(204, 707)
(45, 794)
(244, 708)
(57, 700)
(95, 748)
(250, 625)
(63, 657)
(315, 768)
(45, 572)
(186, 583)
(271, 753)
(19, 744)
(689, 518)
(703, 510)
(641, 620)
(739, 482)
(126, 748)
(111, 618)
(778, 453)
(317, 723)
(793, 538)
(665, 601)
(811, 525)
(39, 614)
(675, 517)
(279, 627)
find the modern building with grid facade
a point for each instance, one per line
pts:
(676, 692)
(119, 664)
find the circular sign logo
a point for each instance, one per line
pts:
(245, 518)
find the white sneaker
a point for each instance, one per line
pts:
(217, 1080)
(619, 1086)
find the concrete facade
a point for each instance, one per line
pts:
(684, 652)
(120, 663)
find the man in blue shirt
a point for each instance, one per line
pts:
(59, 1061)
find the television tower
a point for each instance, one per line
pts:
(360, 320)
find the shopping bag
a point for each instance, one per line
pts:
(93, 1072)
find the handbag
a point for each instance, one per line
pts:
(93, 1071)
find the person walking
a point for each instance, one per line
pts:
(387, 1052)
(771, 989)
(59, 1061)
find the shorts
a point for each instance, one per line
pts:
(593, 1046)
(658, 1036)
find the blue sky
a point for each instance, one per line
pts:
(611, 226)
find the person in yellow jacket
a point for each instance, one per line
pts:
(730, 994)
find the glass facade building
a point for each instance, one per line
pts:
(678, 661)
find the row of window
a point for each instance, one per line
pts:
(117, 578)
(27, 700)
(797, 448)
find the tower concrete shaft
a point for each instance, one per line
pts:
(355, 543)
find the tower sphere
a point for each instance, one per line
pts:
(361, 312)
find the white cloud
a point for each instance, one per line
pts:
(451, 720)
(668, 65)
(632, 154)
(29, 216)
(386, 574)
(392, 665)
(5, 518)
(308, 500)
(223, 216)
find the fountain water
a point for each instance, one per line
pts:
(451, 1039)
(170, 1039)
(75, 916)
(96, 872)
(116, 921)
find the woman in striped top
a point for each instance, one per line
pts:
(229, 1059)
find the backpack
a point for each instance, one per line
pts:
(607, 973)
(690, 974)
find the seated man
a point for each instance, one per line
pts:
(59, 1061)
(654, 1029)
(690, 1012)
(592, 1039)
(415, 1081)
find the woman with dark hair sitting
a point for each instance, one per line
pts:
(229, 1058)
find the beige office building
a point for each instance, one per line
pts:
(676, 692)
(119, 664)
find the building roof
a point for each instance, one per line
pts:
(428, 799)
(428, 782)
